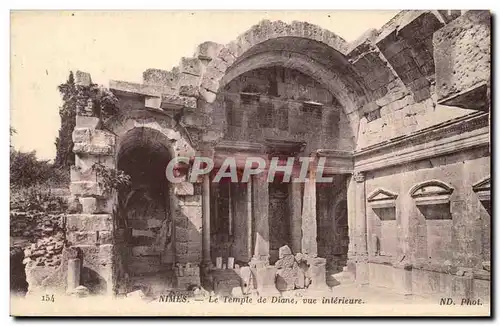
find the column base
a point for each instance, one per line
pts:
(317, 274)
(362, 272)
(265, 278)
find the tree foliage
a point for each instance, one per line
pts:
(98, 100)
(110, 179)
(67, 112)
(26, 171)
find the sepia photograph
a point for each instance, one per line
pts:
(250, 163)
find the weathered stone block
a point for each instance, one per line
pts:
(189, 90)
(93, 205)
(82, 78)
(89, 222)
(317, 273)
(87, 122)
(165, 78)
(152, 102)
(77, 174)
(192, 66)
(85, 148)
(81, 135)
(207, 95)
(183, 189)
(175, 102)
(85, 238)
(85, 189)
(265, 278)
(184, 282)
(84, 162)
(207, 50)
(286, 279)
(462, 58)
(211, 84)
(226, 55)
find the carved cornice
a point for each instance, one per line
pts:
(334, 153)
(466, 135)
(239, 146)
(284, 147)
(483, 189)
(449, 128)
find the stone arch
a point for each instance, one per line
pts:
(165, 139)
(179, 140)
(305, 47)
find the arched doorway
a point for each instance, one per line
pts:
(146, 208)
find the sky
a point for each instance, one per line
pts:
(46, 45)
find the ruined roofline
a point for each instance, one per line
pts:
(201, 76)
(209, 50)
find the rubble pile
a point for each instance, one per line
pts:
(46, 251)
(44, 231)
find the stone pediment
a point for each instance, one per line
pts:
(483, 189)
(431, 192)
(381, 198)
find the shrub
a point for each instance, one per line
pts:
(36, 198)
(26, 171)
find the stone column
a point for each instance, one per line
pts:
(265, 275)
(309, 226)
(295, 204)
(73, 277)
(241, 248)
(261, 217)
(351, 221)
(207, 261)
(249, 218)
(361, 235)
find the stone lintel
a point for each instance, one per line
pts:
(152, 102)
(177, 102)
(128, 88)
(239, 146)
(337, 162)
(284, 147)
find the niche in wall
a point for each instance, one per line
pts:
(433, 199)
(384, 240)
(482, 190)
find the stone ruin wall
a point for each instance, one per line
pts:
(408, 79)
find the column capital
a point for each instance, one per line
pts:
(359, 176)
